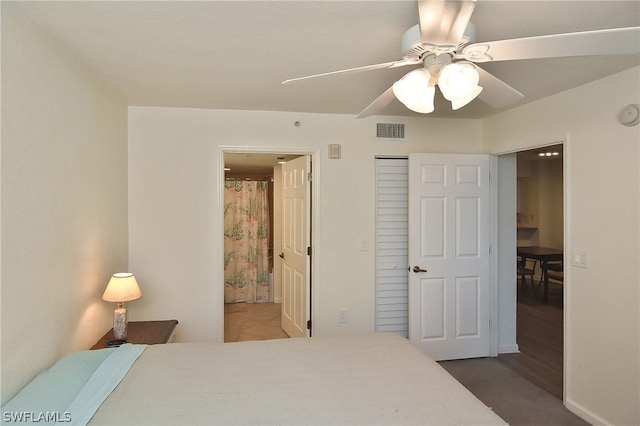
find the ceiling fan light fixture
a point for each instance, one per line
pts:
(458, 80)
(425, 106)
(414, 91)
(462, 101)
(477, 53)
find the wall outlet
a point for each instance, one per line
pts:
(343, 315)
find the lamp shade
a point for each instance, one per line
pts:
(415, 92)
(122, 287)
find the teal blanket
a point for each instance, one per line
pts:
(72, 390)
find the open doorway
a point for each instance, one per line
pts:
(253, 219)
(540, 279)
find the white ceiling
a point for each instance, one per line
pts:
(235, 54)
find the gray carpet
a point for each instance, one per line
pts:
(515, 399)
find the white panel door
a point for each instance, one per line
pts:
(449, 255)
(295, 242)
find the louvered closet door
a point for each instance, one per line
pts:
(392, 313)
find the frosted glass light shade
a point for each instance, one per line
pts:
(122, 287)
(458, 81)
(414, 91)
(462, 101)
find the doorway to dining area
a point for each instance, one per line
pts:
(540, 283)
(540, 195)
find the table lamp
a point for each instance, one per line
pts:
(122, 287)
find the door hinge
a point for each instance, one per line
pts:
(309, 325)
(309, 251)
(309, 177)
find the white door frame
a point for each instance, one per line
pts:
(218, 294)
(493, 240)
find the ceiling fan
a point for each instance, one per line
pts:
(444, 43)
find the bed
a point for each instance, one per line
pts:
(366, 379)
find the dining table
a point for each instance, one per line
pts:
(544, 255)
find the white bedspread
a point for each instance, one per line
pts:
(356, 380)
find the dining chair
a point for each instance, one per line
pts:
(555, 273)
(526, 268)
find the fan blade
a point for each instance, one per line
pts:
(496, 92)
(442, 23)
(392, 64)
(378, 104)
(617, 41)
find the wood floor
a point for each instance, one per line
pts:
(540, 334)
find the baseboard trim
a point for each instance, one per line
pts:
(277, 300)
(584, 414)
(509, 349)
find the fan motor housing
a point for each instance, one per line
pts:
(412, 47)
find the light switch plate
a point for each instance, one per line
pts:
(335, 151)
(581, 258)
(364, 243)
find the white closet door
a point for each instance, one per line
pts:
(450, 255)
(392, 312)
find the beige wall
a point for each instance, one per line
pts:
(540, 201)
(551, 206)
(602, 187)
(174, 211)
(64, 203)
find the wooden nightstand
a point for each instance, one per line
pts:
(144, 332)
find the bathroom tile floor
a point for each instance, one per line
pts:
(252, 321)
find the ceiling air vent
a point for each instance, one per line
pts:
(390, 131)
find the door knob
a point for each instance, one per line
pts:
(281, 255)
(417, 269)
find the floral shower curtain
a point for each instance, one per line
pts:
(246, 242)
